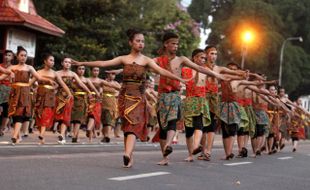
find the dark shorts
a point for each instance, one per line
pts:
(129, 133)
(197, 125)
(5, 107)
(228, 130)
(20, 119)
(172, 125)
(259, 131)
(76, 122)
(241, 132)
(295, 139)
(212, 126)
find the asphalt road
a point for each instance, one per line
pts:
(80, 167)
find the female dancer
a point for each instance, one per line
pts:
(64, 104)
(95, 104)
(80, 106)
(45, 98)
(20, 97)
(132, 103)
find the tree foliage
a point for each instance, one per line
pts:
(96, 29)
(273, 21)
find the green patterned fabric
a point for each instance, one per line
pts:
(107, 119)
(4, 93)
(213, 101)
(230, 113)
(261, 117)
(195, 106)
(252, 120)
(169, 105)
(244, 122)
(79, 109)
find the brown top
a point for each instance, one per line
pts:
(76, 87)
(134, 73)
(21, 76)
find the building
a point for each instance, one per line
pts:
(306, 102)
(20, 25)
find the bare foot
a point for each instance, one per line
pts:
(189, 159)
(253, 156)
(164, 162)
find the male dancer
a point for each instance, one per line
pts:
(5, 90)
(212, 92)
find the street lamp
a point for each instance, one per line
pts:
(281, 55)
(247, 38)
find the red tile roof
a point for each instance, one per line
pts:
(12, 16)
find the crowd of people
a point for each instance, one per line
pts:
(194, 95)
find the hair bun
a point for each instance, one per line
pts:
(20, 48)
(132, 32)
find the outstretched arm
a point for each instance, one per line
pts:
(117, 71)
(257, 76)
(114, 62)
(201, 69)
(162, 71)
(232, 72)
(257, 90)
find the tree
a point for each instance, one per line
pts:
(96, 29)
(273, 21)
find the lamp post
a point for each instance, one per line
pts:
(281, 55)
(247, 37)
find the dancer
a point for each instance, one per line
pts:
(64, 102)
(5, 89)
(132, 103)
(45, 96)
(20, 97)
(81, 103)
(169, 101)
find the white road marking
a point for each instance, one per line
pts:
(238, 163)
(285, 158)
(130, 177)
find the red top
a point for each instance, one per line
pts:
(240, 101)
(166, 84)
(211, 87)
(5, 81)
(191, 89)
(247, 101)
(244, 101)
